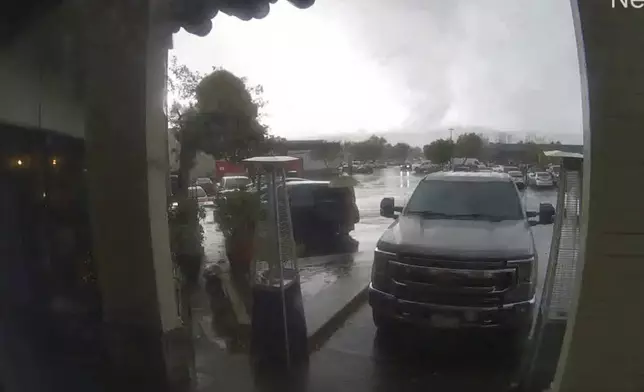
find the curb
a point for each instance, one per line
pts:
(322, 334)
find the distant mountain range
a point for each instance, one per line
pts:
(422, 138)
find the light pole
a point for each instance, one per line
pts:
(451, 155)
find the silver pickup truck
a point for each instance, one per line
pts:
(459, 255)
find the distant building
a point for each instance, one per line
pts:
(516, 152)
(312, 167)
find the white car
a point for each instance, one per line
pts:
(232, 183)
(543, 180)
(517, 178)
(531, 177)
(202, 198)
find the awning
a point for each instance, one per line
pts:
(562, 154)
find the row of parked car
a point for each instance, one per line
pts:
(319, 209)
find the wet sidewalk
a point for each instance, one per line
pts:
(333, 287)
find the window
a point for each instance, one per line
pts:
(235, 182)
(197, 191)
(301, 196)
(466, 199)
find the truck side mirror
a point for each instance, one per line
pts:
(387, 207)
(546, 213)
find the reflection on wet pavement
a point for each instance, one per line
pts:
(358, 357)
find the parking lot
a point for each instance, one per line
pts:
(321, 271)
(355, 355)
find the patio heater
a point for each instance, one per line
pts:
(278, 326)
(561, 276)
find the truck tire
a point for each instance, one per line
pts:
(384, 324)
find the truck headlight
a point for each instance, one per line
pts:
(526, 269)
(379, 277)
(526, 280)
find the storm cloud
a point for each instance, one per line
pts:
(498, 64)
(507, 65)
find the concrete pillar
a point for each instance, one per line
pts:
(126, 134)
(604, 345)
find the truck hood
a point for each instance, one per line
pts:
(459, 239)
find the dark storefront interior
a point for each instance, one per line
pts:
(49, 305)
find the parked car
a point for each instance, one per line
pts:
(363, 169)
(293, 179)
(461, 168)
(508, 169)
(207, 185)
(459, 256)
(317, 209)
(202, 197)
(555, 170)
(231, 183)
(518, 179)
(426, 167)
(543, 180)
(531, 177)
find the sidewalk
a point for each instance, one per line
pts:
(333, 287)
(331, 284)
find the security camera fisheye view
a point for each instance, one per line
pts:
(321, 195)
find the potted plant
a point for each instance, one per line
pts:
(186, 237)
(237, 214)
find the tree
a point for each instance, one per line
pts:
(400, 151)
(327, 152)
(369, 150)
(531, 153)
(439, 151)
(416, 152)
(469, 145)
(218, 114)
(221, 119)
(182, 81)
(275, 145)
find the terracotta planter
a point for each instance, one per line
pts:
(240, 249)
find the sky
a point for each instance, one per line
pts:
(403, 66)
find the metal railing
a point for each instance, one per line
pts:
(561, 277)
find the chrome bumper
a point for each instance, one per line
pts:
(510, 315)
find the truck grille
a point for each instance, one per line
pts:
(456, 286)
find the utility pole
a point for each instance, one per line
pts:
(451, 156)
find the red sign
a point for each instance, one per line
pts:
(226, 168)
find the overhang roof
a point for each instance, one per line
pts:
(195, 16)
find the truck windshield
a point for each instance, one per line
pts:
(466, 200)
